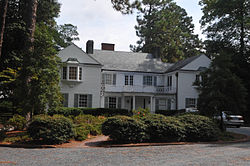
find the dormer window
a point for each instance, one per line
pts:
(72, 71)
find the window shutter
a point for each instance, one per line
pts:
(106, 102)
(169, 104)
(144, 80)
(76, 100)
(66, 100)
(119, 105)
(156, 104)
(114, 79)
(89, 101)
(155, 80)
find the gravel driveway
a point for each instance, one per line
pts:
(171, 155)
(231, 154)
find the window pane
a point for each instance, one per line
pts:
(80, 73)
(72, 73)
(147, 80)
(126, 80)
(190, 103)
(64, 73)
(131, 81)
(169, 83)
(112, 102)
(108, 79)
(83, 101)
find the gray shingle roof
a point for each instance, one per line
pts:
(74, 52)
(129, 61)
(182, 63)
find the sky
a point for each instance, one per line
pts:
(96, 20)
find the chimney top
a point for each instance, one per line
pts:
(90, 47)
(108, 46)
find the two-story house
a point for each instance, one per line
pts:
(129, 80)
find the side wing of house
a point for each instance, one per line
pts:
(80, 78)
(187, 92)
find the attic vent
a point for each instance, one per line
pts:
(108, 46)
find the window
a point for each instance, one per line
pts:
(65, 99)
(109, 79)
(169, 81)
(197, 78)
(190, 102)
(129, 80)
(126, 79)
(83, 101)
(147, 80)
(162, 104)
(72, 73)
(112, 102)
(80, 73)
(64, 75)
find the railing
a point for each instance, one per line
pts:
(138, 88)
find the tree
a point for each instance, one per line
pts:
(227, 26)
(3, 11)
(165, 29)
(125, 6)
(220, 89)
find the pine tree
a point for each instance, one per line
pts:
(166, 31)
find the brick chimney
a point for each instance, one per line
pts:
(108, 46)
(90, 47)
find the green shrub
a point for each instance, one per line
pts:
(2, 135)
(170, 112)
(80, 133)
(18, 122)
(162, 128)
(52, 130)
(124, 129)
(199, 128)
(140, 113)
(108, 112)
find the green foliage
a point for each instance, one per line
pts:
(199, 128)
(140, 112)
(2, 135)
(161, 128)
(170, 112)
(80, 133)
(124, 129)
(108, 112)
(221, 90)
(165, 29)
(18, 122)
(51, 130)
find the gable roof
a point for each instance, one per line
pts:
(74, 52)
(180, 64)
(130, 61)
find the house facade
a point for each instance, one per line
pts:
(115, 79)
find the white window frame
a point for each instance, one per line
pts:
(191, 103)
(66, 74)
(129, 80)
(147, 80)
(82, 101)
(169, 81)
(114, 100)
(109, 78)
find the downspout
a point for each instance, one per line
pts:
(176, 95)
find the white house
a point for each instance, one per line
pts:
(116, 79)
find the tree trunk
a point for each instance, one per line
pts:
(3, 12)
(30, 20)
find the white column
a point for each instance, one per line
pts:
(133, 102)
(77, 73)
(151, 104)
(123, 102)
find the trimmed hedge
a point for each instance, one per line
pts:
(108, 112)
(199, 128)
(170, 112)
(162, 128)
(51, 130)
(124, 129)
